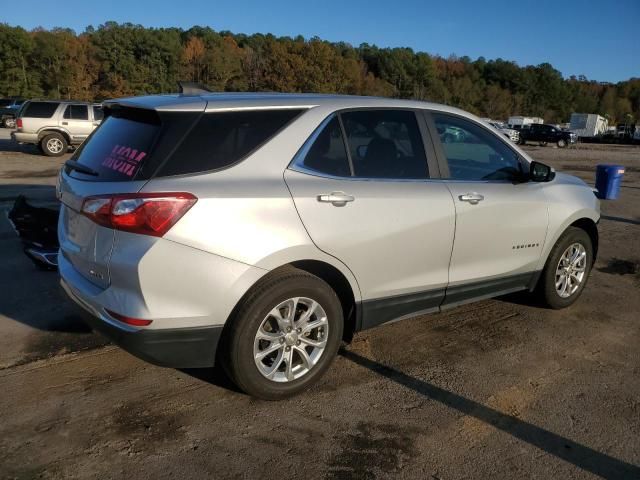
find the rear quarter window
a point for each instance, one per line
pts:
(39, 109)
(98, 114)
(219, 140)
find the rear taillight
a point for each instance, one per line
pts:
(145, 213)
(136, 322)
(19, 123)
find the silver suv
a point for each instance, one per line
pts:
(258, 231)
(54, 125)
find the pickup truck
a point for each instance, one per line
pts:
(543, 134)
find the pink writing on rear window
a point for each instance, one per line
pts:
(124, 159)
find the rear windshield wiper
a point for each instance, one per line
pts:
(73, 165)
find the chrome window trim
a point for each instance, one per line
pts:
(315, 173)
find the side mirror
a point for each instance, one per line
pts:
(539, 172)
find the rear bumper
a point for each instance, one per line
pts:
(191, 347)
(22, 137)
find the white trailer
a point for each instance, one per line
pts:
(521, 121)
(588, 125)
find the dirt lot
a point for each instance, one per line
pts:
(499, 389)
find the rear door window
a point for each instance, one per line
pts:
(220, 140)
(76, 112)
(39, 109)
(385, 144)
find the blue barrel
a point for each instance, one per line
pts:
(608, 179)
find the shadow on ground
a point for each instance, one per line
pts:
(620, 219)
(575, 453)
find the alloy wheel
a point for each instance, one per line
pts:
(54, 145)
(291, 339)
(571, 270)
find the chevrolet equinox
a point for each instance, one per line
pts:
(258, 231)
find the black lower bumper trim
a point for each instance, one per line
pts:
(177, 347)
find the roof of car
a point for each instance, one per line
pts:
(75, 102)
(240, 101)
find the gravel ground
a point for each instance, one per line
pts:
(498, 389)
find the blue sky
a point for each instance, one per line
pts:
(595, 38)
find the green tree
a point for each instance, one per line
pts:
(17, 76)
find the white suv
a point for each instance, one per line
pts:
(54, 125)
(260, 230)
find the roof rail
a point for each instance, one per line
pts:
(192, 88)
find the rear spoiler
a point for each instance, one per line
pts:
(187, 100)
(192, 88)
(159, 103)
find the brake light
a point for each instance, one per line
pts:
(19, 123)
(144, 213)
(136, 322)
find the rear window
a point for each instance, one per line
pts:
(118, 148)
(220, 140)
(138, 144)
(5, 102)
(39, 109)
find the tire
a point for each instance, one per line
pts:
(542, 144)
(241, 343)
(562, 143)
(54, 145)
(549, 293)
(9, 123)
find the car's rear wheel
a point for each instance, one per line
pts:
(284, 336)
(10, 122)
(567, 269)
(54, 145)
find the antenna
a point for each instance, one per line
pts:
(192, 88)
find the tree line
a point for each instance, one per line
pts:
(116, 60)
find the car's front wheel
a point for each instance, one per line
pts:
(562, 143)
(567, 269)
(284, 336)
